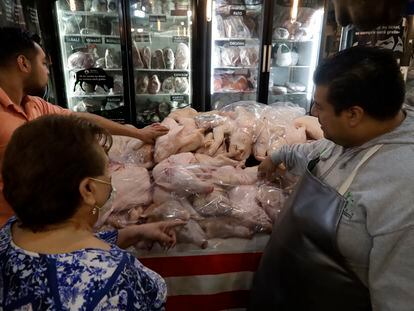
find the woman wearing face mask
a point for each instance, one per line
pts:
(56, 178)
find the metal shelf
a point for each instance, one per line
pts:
(287, 94)
(234, 92)
(161, 94)
(96, 95)
(290, 41)
(161, 70)
(105, 69)
(88, 13)
(273, 67)
(237, 39)
(224, 67)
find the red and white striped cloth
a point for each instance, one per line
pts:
(217, 278)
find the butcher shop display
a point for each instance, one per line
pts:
(198, 172)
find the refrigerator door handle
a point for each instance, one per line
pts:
(269, 57)
(264, 58)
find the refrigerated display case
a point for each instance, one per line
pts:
(235, 51)
(161, 35)
(264, 50)
(89, 33)
(296, 39)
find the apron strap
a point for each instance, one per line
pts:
(347, 183)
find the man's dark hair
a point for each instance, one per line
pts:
(363, 76)
(15, 42)
(44, 163)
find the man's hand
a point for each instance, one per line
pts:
(149, 133)
(270, 171)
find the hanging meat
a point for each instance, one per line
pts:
(158, 60)
(182, 56)
(154, 85)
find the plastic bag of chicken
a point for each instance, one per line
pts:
(278, 129)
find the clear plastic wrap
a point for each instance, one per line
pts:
(208, 187)
(278, 129)
(80, 60)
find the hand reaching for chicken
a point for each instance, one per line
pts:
(149, 133)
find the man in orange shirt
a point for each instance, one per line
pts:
(24, 75)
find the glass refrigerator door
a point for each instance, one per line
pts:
(91, 53)
(295, 49)
(161, 43)
(235, 51)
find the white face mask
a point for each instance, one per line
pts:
(106, 209)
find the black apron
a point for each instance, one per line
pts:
(302, 268)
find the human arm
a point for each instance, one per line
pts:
(292, 158)
(147, 134)
(162, 232)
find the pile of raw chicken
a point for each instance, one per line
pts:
(197, 172)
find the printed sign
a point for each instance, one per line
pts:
(178, 13)
(92, 39)
(95, 77)
(73, 39)
(237, 43)
(112, 41)
(178, 98)
(387, 37)
(156, 18)
(142, 37)
(180, 74)
(238, 12)
(180, 39)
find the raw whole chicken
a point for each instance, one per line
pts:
(182, 180)
(220, 160)
(166, 145)
(131, 150)
(213, 204)
(185, 113)
(225, 227)
(192, 233)
(295, 135)
(171, 209)
(312, 126)
(232, 176)
(245, 208)
(271, 199)
(133, 187)
(179, 174)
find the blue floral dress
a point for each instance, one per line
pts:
(86, 279)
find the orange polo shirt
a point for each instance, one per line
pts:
(11, 117)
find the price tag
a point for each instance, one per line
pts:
(178, 98)
(73, 39)
(112, 41)
(180, 74)
(156, 18)
(114, 99)
(237, 42)
(238, 12)
(142, 37)
(92, 39)
(180, 39)
(178, 13)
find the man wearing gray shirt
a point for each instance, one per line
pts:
(345, 239)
